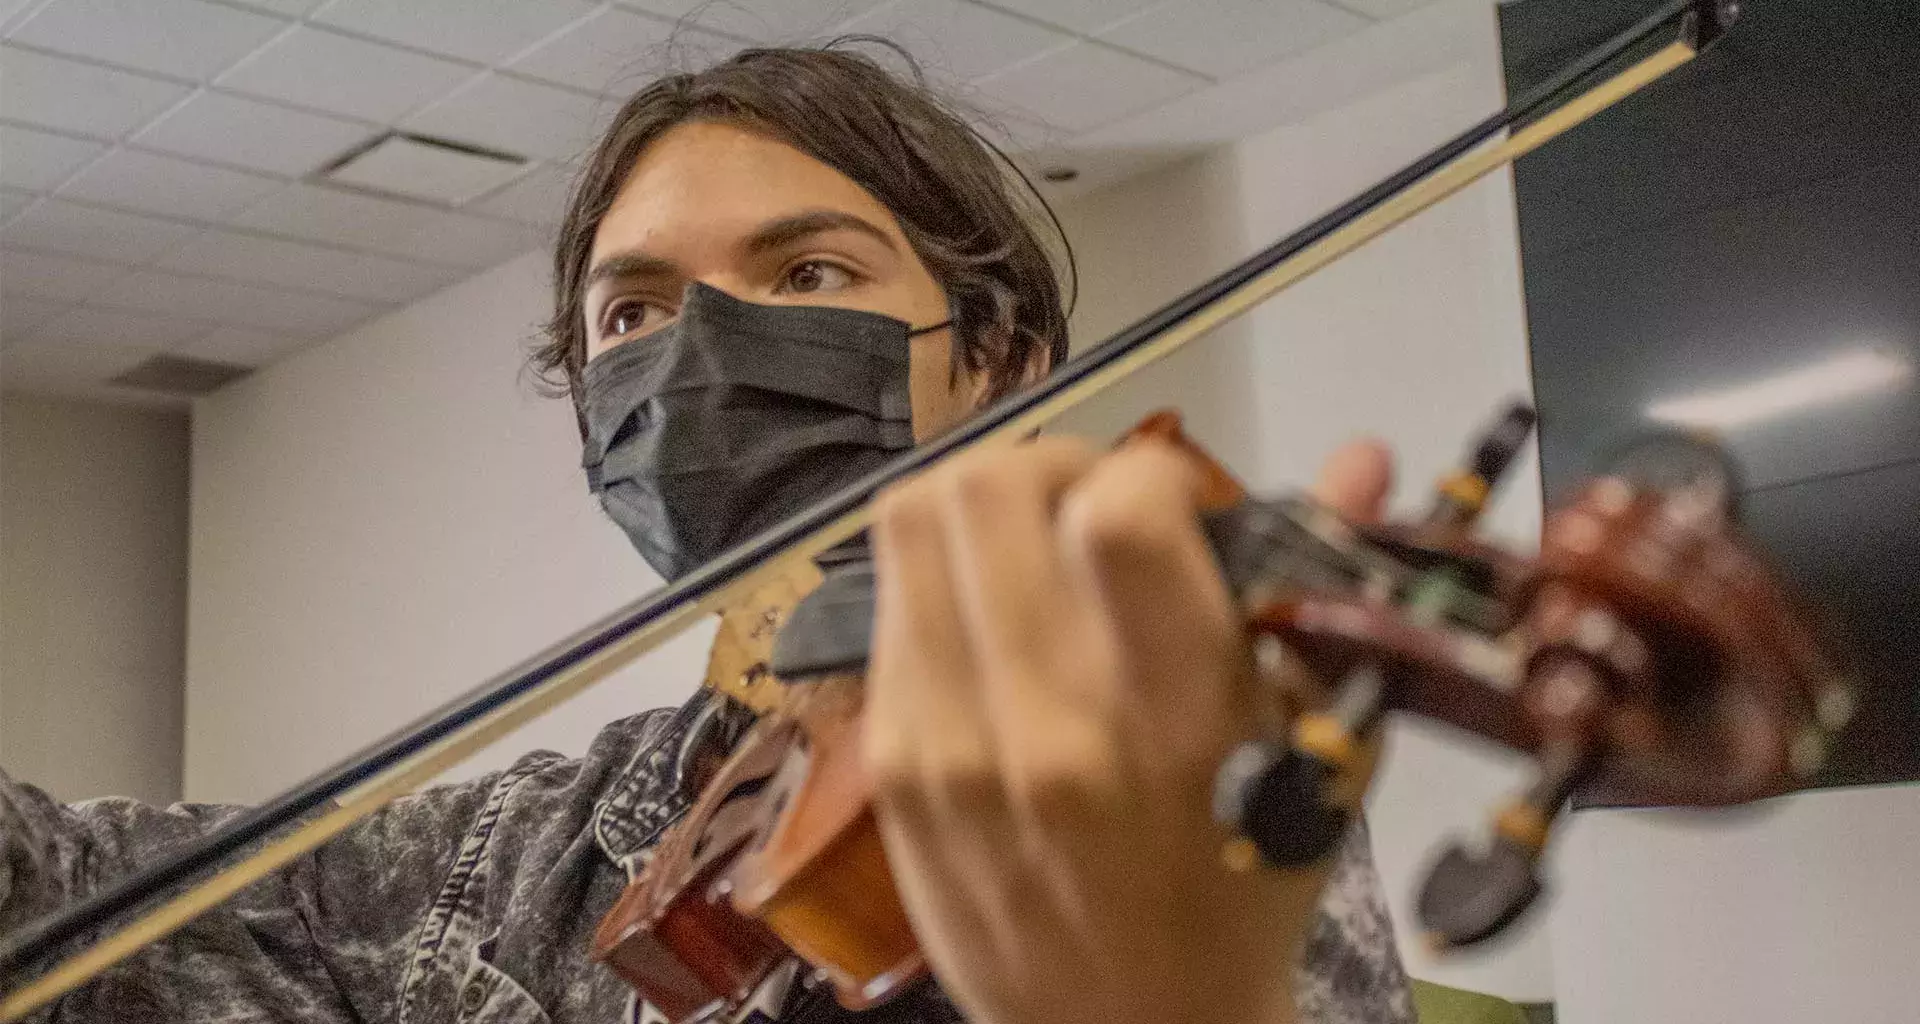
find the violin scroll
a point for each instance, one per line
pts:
(1646, 651)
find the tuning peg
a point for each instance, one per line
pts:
(1277, 799)
(1283, 799)
(1462, 494)
(1689, 469)
(1470, 895)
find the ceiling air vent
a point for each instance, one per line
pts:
(178, 375)
(422, 167)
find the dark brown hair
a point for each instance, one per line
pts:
(952, 191)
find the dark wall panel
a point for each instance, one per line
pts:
(1756, 212)
(1850, 541)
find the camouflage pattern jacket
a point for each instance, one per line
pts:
(475, 903)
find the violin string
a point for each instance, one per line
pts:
(598, 651)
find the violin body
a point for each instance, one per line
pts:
(1645, 651)
(779, 857)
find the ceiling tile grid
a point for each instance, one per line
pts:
(12, 201)
(1086, 85)
(178, 38)
(1227, 37)
(161, 160)
(476, 30)
(959, 41)
(20, 315)
(85, 99)
(517, 116)
(61, 279)
(616, 51)
(37, 161)
(298, 265)
(145, 182)
(98, 233)
(337, 74)
(240, 132)
(83, 326)
(759, 21)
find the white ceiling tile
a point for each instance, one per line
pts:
(39, 160)
(479, 30)
(290, 8)
(56, 278)
(519, 117)
(1014, 133)
(77, 97)
(93, 232)
(618, 51)
(1087, 85)
(9, 8)
(472, 241)
(539, 197)
(229, 129)
(59, 367)
(167, 186)
(185, 38)
(330, 215)
(20, 316)
(86, 326)
(763, 21)
(1086, 16)
(389, 226)
(955, 40)
(238, 303)
(12, 202)
(315, 68)
(242, 346)
(1222, 38)
(1384, 9)
(309, 267)
(406, 166)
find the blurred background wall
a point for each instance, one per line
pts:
(93, 596)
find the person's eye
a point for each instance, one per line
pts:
(816, 276)
(631, 316)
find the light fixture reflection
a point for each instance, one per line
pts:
(1846, 375)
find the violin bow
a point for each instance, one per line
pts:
(330, 802)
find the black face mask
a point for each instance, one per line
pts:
(737, 415)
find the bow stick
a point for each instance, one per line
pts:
(402, 762)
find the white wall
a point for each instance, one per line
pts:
(1808, 909)
(384, 521)
(1139, 244)
(93, 572)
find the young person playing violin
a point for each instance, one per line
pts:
(772, 275)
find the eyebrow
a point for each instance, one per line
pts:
(628, 265)
(794, 227)
(771, 235)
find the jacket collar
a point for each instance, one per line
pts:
(662, 778)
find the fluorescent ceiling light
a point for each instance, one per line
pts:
(1857, 372)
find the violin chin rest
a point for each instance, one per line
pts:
(1470, 897)
(831, 630)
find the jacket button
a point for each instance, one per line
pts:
(474, 995)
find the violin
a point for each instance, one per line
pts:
(1646, 651)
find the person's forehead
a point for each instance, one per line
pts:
(706, 182)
